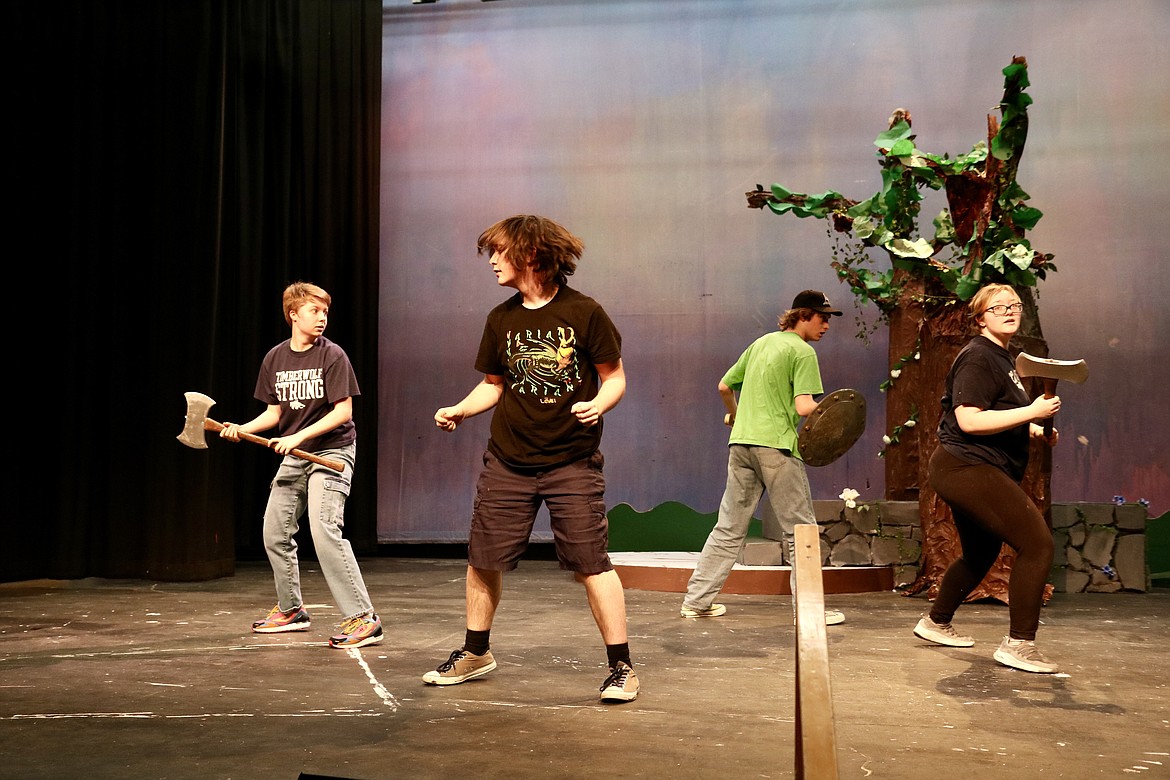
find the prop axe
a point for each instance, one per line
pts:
(1049, 371)
(197, 421)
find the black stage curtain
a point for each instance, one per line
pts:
(176, 165)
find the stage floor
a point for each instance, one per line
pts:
(105, 679)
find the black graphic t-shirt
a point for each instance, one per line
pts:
(984, 376)
(306, 385)
(547, 358)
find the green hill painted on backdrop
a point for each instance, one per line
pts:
(668, 527)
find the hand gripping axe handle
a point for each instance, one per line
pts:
(197, 421)
(1049, 371)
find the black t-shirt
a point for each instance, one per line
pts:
(547, 357)
(306, 385)
(984, 376)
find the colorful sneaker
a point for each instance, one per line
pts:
(358, 632)
(941, 633)
(461, 667)
(621, 685)
(294, 620)
(1022, 654)
(715, 610)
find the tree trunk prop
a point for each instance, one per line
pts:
(922, 296)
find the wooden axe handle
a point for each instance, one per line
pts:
(211, 425)
(1049, 391)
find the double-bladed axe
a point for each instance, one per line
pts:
(1049, 371)
(197, 421)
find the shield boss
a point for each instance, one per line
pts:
(832, 428)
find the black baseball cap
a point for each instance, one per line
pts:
(815, 300)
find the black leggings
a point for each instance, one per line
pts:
(990, 509)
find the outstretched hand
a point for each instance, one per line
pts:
(448, 418)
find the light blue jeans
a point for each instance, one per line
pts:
(750, 471)
(301, 486)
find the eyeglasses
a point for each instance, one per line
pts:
(1001, 310)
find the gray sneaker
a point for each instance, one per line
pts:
(461, 667)
(1022, 654)
(621, 685)
(941, 633)
(715, 610)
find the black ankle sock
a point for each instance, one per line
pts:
(617, 653)
(477, 642)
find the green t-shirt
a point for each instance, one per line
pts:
(769, 375)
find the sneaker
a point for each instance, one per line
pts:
(358, 632)
(834, 617)
(941, 633)
(1022, 654)
(461, 667)
(294, 620)
(715, 610)
(621, 685)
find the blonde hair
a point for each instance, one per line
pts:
(978, 303)
(298, 294)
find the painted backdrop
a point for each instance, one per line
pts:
(640, 124)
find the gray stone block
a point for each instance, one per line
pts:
(762, 553)
(1060, 548)
(835, 532)
(864, 518)
(1129, 559)
(853, 550)
(1064, 515)
(900, 513)
(1070, 581)
(1100, 582)
(1130, 517)
(826, 511)
(1096, 514)
(888, 550)
(1098, 548)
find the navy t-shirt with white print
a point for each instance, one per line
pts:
(306, 385)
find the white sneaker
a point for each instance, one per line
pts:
(1022, 654)
(833, 617)
(941, 633)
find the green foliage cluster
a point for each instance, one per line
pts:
(994, 248)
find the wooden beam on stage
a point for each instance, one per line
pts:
(816, 740)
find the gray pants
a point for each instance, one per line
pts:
(750, 471)
(301, 487)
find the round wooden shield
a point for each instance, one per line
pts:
(832, 428)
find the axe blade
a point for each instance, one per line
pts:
(198, 405)
(1075, 371)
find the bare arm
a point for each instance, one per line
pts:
(261, 422)
(805, 405)
(613, 387)
(340, 414)
(729, 401)
(482, 397)
(982, 422)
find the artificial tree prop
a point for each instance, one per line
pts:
(979, 239)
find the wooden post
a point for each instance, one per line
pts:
(816, 739)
